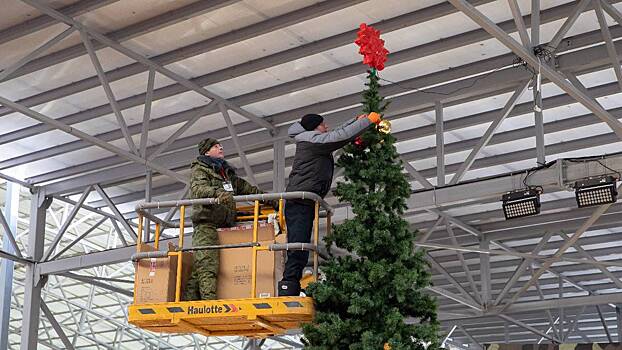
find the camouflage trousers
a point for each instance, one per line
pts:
(203, 280)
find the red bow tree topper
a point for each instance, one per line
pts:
(371, 47)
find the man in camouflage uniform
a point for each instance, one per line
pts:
(212, 177)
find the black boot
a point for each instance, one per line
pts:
(289, 289)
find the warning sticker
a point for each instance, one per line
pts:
(152, 267)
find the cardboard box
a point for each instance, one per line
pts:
(156, 278)
(234, 275)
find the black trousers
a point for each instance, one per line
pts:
(299, 216)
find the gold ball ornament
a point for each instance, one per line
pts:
(384, 126)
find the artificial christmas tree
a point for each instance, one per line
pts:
(366, 296)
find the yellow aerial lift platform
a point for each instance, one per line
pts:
(252, 317)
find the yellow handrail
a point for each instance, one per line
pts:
(140, 232)
(254, 256)
(247, 217)
(282, 217)
(138, 243)
(256, 217)
(157, 237)
(316, 236)
(182, 212)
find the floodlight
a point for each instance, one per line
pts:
(521, 203)
(596, 191)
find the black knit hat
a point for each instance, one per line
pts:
(206, 144)
(311, 121)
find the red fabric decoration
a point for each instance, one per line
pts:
(358, 141)
(371, 47)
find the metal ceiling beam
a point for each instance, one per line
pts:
(550, 186)
(586, 225)
(64, 150)
(572, 62)
(90, 260)
(501, 159)
(485, 272)
(522, 336)
(79, 238)
(35, 53)
(520, 24)
(278, 167)
(495, 187)
(489, 325)
(534, 257)
(87, 207)
(246, 68)
(132, 31)
(7, 267)
(286, 341)
(465, 267)
(548, 313)
(100, 284)
(112, 100)
(573, 324)
(41, 22)
(57, 328)
(529, 328)
(90, 139)
(474, 342)
(516, 134)
(451, 296)
(116, 212)
(557, 126)
(602, 320)
(181, 195)
(416, 17)
(141, 195)
(238, 145)
(146, 61)
(68, 220)
(613, 55)
(509, 106)
(539, 225)
(570, 21)
(9, 234)
(546, 71)
(129, 330)
(201, 47)
(417, 175)
(182, 129)
(535, 23)
(429, 231)
(612, 11)
(144, 134)
(32, 283)
(503, 265)
(438, 267)
(536, 87)
(440, 147)
(605, 271)
(503, 246)
(567, 302)
(521, 269)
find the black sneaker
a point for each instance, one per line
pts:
(289, 289)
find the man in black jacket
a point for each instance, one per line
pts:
(312, 171)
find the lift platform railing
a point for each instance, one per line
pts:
(143, 207)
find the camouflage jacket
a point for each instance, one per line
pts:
(207, 181)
